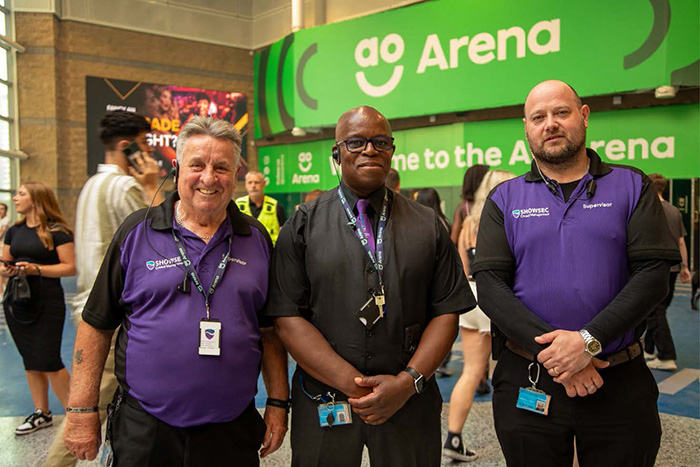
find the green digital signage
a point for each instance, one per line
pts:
(457, 55)
(655, 139)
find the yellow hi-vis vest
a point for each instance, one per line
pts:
(267, 216)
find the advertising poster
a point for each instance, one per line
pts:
(166, 107)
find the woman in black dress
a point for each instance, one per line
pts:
(42, 244)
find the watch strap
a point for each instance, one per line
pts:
(418, 379)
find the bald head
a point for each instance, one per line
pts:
(364, 115)
(547, 87)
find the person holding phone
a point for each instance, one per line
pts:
(41, 245)
(126, 182)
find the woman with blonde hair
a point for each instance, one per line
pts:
(40, 247)
(474, 328)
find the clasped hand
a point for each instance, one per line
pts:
(389, 394)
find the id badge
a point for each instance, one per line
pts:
(107, 458)
(209, 337)
(334, 413)
(534, 400)
(370, 313)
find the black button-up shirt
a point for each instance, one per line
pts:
(321, 272)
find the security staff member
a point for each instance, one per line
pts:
(267, 210)
(570, 258)
(365, 289)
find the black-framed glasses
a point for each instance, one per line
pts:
(380, 143)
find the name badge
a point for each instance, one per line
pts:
(534, 400)
(210, 337)
(334, 413)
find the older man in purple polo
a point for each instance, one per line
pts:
(187, 282)
(570, 259)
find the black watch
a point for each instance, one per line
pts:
(418, 380)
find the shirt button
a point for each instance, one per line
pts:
(370, 270)
(368, 333)
(368, 356)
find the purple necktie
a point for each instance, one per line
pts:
(364, 223)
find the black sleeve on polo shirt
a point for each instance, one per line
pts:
(492, 248)
(647, 286)
(648, 235)
(515, 320)
(289, 285)
(104, 309)
(450, 290)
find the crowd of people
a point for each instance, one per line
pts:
(185, 299)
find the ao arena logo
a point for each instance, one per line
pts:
(480, 49)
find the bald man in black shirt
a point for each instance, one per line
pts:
(368, 321)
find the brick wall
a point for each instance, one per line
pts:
(51, 87)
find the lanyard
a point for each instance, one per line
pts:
(193, 274)
(378, 260)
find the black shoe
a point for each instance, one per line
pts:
(454, 449)
(483, 388)
(34, 422)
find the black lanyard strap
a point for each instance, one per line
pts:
(378, 259)
(180, 244)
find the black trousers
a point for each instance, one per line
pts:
(618, 426)
(141, 440)
(411, 438)
(658, 332)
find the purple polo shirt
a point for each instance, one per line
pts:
(570, 257)
(157, 358)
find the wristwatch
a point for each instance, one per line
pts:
(592, 345)
(418, 380)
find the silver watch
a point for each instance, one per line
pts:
(592, 345)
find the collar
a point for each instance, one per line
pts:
(376, 199)
(597, 167)
(162, 216)
(110, 168)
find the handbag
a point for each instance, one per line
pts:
(18, 297)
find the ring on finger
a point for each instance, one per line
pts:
(556, 372)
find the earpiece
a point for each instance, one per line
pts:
(552, 186)
(336, 154)
(175, 171)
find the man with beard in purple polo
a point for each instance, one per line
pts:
(570, 259)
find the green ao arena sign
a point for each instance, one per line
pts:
(456, 55)
(656, 139)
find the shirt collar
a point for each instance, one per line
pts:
(376, 198)
(162, 216)
(597, 167)
(110, 168)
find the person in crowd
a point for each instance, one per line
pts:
(571, 257)
(658, 332)
(4, 225)
(39, 245)
(190, 279)
(431, 198)
(472, 180)
(108, 197)
(474, 329)
(367, 321)
(266, 209)
(393, 181)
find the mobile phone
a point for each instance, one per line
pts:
(7, 263)
(131, 151)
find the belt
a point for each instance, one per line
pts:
(624, 355)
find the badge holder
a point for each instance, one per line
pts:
(372, 311)
(210, 337)
(533, 399)
(330, 412)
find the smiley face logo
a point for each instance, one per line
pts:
(367, 55)
(305, 159)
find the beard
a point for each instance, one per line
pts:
(561, 156)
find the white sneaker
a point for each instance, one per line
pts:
(666, 365)
(34, 422)
(649, 356)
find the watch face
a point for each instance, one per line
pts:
(420, 384)
(594, 347)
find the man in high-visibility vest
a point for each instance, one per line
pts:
(267, 210)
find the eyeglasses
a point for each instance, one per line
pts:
(380, 143)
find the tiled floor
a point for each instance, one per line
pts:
(680, 411)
